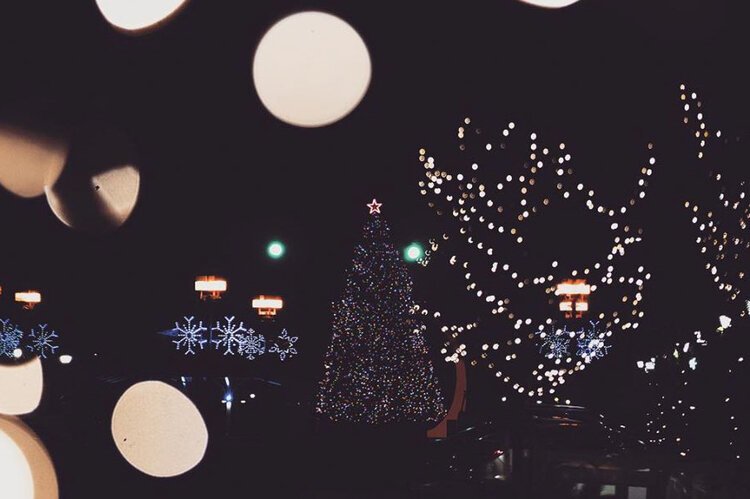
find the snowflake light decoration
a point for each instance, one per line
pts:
(228, 334)
(555, 344)
(252, 345)
(592, 343)
(284, 345)
(10, 337)
(42, 341)
(189, 336)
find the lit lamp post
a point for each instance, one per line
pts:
(267, 306)
(276, 249)
(29, 299)
(574, 297)
(413, 253)
(210, 287)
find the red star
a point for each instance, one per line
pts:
(374, 206)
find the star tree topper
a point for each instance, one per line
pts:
(374, 206)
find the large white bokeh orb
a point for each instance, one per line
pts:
(21, 387)
(29, 162)
(158, 430)
(98, 189)
(551, 4)
(26, 470)
(15, 473)
(137, 15)
(311, 69)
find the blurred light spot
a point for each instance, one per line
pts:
(99, 188)
(136, 15)
(29, 162)
(21, 387)
(26, 471)
(311, 69)
(551, 4)
(158, 430)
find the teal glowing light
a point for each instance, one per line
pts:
(276, 249)
(413, 252)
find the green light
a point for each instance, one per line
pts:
(276, 249)
(413, 252)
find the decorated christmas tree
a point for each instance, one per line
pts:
(377, 367)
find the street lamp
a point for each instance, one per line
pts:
(276, 249)
(413, 253)
(574, 295)
(267, 306)
(210, 287)
(29, 298)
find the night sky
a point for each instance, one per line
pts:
(221, 177)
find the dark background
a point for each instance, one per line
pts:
(221, 177)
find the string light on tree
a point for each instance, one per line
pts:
(377, 367)
(723, 239)
(486, 200)
(684, 404)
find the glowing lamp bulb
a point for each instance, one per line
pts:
(276, 249)
(66, 359)
(210, 286)
(29, 298)
(414, 252)
(267, 306)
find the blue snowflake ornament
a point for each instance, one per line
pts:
(189, 336)
(592, 344)
(10, 337)
(284, 345)
(252, 345)
(228, 335)
(555, 344)
(42, 341)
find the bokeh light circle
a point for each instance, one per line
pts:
(26, 470)
(138, 15)
(413, 252)
(158, 430)
(29, 161)
(551, 4)
(311, 69)
(21, 387)
(276, 249)
(99, 187)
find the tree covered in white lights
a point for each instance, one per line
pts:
(377, 367)
(698, 381)
(500, 194)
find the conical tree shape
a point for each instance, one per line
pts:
(377, 367)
